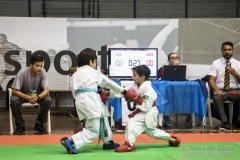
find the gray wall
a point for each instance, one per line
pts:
(200, 40)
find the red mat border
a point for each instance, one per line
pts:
(143, 138)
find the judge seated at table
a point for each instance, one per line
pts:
(173, 59)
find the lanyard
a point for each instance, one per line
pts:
(30, 84)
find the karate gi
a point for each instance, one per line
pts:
(146, 120)
(89, 105)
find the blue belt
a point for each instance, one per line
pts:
(85, 90)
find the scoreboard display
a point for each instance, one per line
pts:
(122, 60)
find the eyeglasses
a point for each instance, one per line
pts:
(174, 58)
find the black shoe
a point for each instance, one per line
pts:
(188, 120)
(19, 131)
(225, 125)
(40, 128)
(110, 145)
(237, 124)
(167, 121)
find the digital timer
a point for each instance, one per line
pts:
(122, 60)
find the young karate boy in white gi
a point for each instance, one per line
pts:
(144, 118)
(89, 105)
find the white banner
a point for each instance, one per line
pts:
(54, 35)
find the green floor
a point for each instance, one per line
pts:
(152, 151)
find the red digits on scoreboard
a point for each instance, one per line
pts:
(149, 63)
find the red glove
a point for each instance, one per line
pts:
(134, 97)
(104, 93)
(176, 143)
(103, 97)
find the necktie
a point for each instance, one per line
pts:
(227, 77)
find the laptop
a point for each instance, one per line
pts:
(174, 73)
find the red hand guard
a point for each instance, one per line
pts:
(103, 97)
(134, 97)
(176, 143)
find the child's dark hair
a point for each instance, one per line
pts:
(85, 56)
(142, 70)
(36, 58)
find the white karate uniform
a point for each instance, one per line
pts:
(146, 120)
(89, 105)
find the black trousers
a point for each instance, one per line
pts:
(17, 102)
(219, 103)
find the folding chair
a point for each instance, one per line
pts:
(208, 105)
(26, 105)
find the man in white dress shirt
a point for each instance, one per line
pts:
(217, 78)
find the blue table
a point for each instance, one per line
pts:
(181, 97)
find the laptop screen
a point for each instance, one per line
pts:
(174, 73)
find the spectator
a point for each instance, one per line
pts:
(224, 80)
(31, 85)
